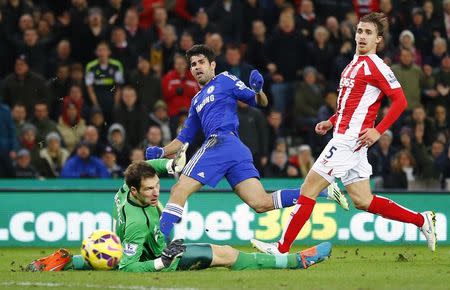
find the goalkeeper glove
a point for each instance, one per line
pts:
(256, 81)
(174, 250)
(153, 152)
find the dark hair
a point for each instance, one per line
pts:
(379, 19)
(137, 171)
(233, 46)
(198, 49)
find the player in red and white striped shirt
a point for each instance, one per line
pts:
(364, 82)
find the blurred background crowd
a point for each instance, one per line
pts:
(86, 85)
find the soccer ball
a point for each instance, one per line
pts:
(102, 250)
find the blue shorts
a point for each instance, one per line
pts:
(221, 155)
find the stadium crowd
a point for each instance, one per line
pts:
(86, 85)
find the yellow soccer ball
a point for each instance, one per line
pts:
(102, 250)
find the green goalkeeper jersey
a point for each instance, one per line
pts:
(138, 228)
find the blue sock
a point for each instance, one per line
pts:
(288, 197)
(171, 215)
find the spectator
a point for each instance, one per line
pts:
(321, 52)
(256, 55)
(59, 86)
(410, 76)
(215, 41)
(302, 160)
(28, 141)
(438, 52)
(137, 38)
(276, 130)
(419, 117)
(429, 92)
(131, 116)
(227, 14)
(179, 86)
(406, 42)
(332, 25)
(19, 116)
(71, 125)
(115, 11)
(23, 167)
(277, 166)
(92, 138)
(35, 50)
(442, 122)
(62, 54)
(340, 62)
(162, 53)
(117, 140)
(160, 21)
(104, 75)
(251, 11)
(76, 96)
(325, 112)
(84, 165)
(121, 50)
(186, 9)
(432, 18)
(381, 155)
(201, 26)
(251, 120)
(109, 160)
(443, 81)
(308, 98)
(136, 155)
(159, 117)
(402, 171)
(422, 33)
(235, 65)
(41, 120)
(97, 119)
(147, 8)
(146, 83)
(286, 52)
(153, 138)
(306, 19)
(78, 14)
(8, 142)
(53, 156)
(92, 35)
(24, 86)
(445, 26)
(186, 42)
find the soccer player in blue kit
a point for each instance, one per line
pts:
(214, 110)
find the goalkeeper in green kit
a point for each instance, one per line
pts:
(137, 213)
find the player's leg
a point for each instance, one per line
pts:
(173, 210)
(363, 199)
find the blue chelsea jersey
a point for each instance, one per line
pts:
(214, 107)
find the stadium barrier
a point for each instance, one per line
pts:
(63, 212)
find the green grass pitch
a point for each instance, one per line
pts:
(350, 267)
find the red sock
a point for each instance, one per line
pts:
(299, 216)
(390, 210)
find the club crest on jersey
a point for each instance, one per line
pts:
(205, 101)
(210, 90)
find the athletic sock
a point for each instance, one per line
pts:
(299, 215)
(76, 263)
(256, 261)
(288, 197)
(391, 210)
(171, 215)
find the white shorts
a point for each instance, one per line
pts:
(342, 158)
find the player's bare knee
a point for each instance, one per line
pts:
(361, 203)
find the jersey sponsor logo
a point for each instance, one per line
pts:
(233, 77)
(347, 82)
(201, 174)
(130, 249)
(207, 100)
(210, 90)
(241, 85)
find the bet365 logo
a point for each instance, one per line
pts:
(346, 82)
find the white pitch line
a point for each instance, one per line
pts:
(78, 286)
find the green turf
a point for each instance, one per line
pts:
(350, 267)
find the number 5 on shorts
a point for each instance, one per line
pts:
(331, 152)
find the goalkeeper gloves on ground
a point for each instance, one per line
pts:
(174, 250)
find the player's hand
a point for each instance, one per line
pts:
(174, 250)
(369, 137)
(323, 127)
(256, 81)
(153, 152)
